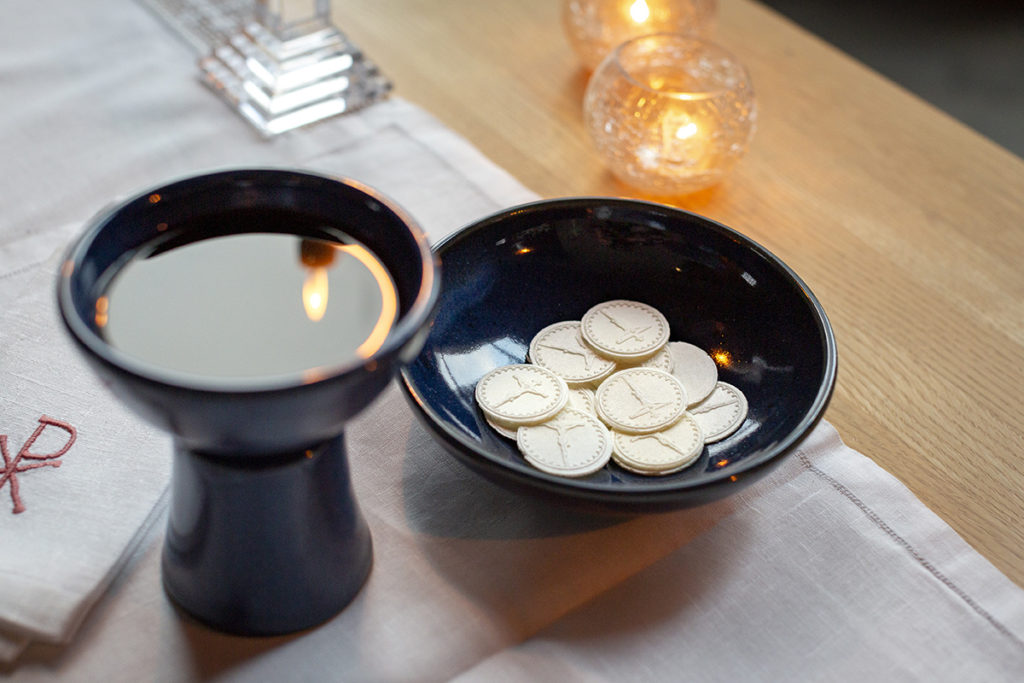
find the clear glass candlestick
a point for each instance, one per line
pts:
(596, 27)
(670, 114)
(290, 67)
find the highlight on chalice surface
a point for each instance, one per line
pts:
(595, 27)
(670, 114)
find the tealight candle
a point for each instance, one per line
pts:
(596, 27)
(671, 114)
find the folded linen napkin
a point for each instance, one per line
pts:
(81, 478)
(19, 260)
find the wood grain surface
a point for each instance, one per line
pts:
(907, 225)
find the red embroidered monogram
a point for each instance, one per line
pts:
(9, 474)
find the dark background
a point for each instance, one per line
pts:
(966, 58)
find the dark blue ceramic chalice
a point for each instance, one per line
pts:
(265, 535)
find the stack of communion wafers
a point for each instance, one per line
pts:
(611, 387)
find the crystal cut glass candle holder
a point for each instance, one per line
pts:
(669, 113)
(596, 27)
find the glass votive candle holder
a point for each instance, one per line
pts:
(669, 113)
(596, 27)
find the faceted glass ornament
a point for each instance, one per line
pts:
(596, 27)
(670, 114)
(281, 64)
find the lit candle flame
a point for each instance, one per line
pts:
(687, 131)
(315, 288)
(314, 293)
(685, 142)
(639, 12)
(102, 307)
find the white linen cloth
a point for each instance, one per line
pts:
(829, 569)
(80, 481)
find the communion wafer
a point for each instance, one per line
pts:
(521, 394)
(571, 444)
(640, 400)
(661, 452)
(506, 430)
(721, 413)
(694, 368)
(661, 360)
(623, 330)
(582, 399)
(560, 348)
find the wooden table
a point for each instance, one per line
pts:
(907, 225)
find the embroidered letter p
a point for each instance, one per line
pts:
(9, 474)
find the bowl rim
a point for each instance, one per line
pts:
(405, 328)
(654, 488)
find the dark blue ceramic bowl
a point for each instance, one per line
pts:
(513, 273)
